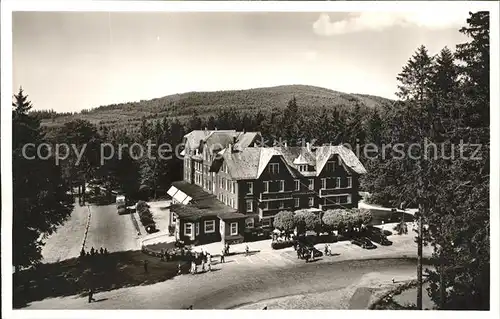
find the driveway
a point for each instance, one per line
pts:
(111, 231)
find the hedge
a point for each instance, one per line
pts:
(282, 244)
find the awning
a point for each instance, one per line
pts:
(179, 196)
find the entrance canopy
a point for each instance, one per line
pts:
(178, 196)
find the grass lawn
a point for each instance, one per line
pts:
(102, 272)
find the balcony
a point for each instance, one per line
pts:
(269, 197)
(269, 212)
(328, 192)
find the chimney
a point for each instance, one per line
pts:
(230, 148)
(286, 144)
(308, 146)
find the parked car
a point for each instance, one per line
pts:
(151, 228)
(379, 239)
(376, 235)
(363, 242)
(304, 252)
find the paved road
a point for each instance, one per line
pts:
(66, 242)
(109, 230)
(232, 287)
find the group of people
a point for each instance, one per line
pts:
(204, 258)
(167, 255)
(328, 250)
(93, 252)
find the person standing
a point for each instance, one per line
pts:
(222, 256)
(209, 262)
(179, 269)
(91, 295)
(193, 267)
(247, 250)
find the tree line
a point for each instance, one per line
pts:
(442, 98)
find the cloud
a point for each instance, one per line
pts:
(378, 21)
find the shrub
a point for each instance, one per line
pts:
(141, 206)
(281, 244)
(327, 239)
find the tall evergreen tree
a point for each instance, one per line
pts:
(40, 201)
(416, 76)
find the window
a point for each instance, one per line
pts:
(282, 204)
(297, 185)
(209, 226)
(266, 222)
(311, 201)
(311, 184)
(249, 222)
(349, 182)
(232, 187)
(281, 186)
(297, 202)
(266, 206)
(323, 183)
(330, 166)
(234, 228)
(249, 188)
(249, 205)
(337, 182)
(303, 168)
(266, 187)
(274, 168)
(188, 229)
(348, 199)
(197, 228)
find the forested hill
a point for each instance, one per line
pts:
(206, 103)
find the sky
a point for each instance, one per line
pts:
(69, 61)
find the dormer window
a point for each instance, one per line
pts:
(274, 168)
(330, 166)
(302, 168)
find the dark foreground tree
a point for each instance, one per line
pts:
(40, 200)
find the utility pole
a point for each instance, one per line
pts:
(419, 257)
